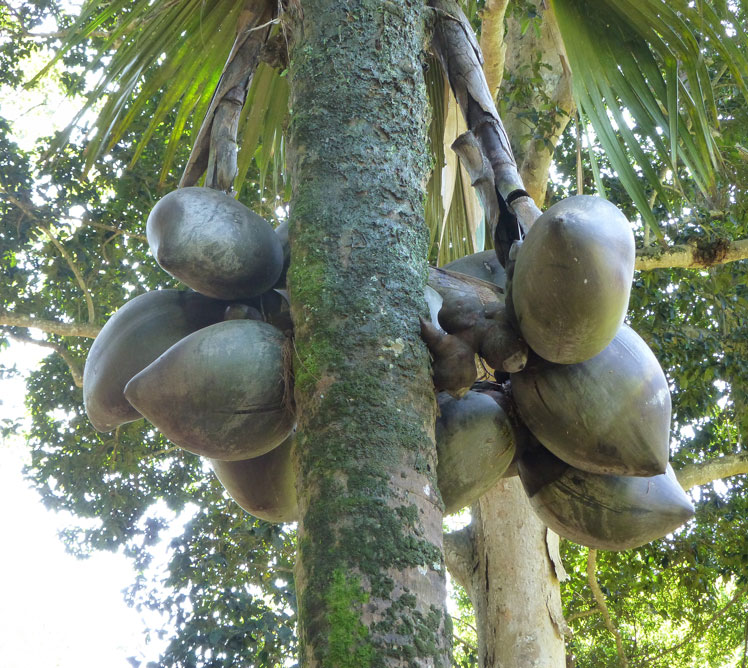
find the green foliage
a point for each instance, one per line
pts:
(465, 650)
(661, 61)
(17, 22)
(226, 609)
(217, 608)
(162, 40)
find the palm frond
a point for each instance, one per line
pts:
(649, 57)
(453, 211)
(436, 91)
(262, 129)
(182, 44)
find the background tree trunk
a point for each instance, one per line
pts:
(370, 570)
(515, 583)
(540, 95)
(508, 563)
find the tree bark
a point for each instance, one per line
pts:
(508, 562)
(602, 606)
(214, 149)
(76, 369)
(492, 43)
(703, 473)
(548, 95)
(370, 571)
(460, 55)
(692, 256)
(87, 330)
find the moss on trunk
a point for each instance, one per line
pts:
(370, 572)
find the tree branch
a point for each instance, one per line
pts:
(164, 451)
(652, 199)
(552, 93)
(600, 601)
(33, 213)
(87, 330)
(462, 60)
(116, 230)
(76, 272)
(492, 43)
(468, 646)
(458, 554)
(692, 256)
(702, 473)
(539, 155)
(583, 613)
(28, 208)
(75, 369)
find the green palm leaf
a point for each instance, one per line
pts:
(642, 56)
(186, 42)
(647, 57)
(262, 130)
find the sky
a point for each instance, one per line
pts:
(58, 611)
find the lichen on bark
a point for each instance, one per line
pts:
(370, 511)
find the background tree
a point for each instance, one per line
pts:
(692, 319)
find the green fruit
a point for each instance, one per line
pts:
(599, 511)
(572, 279)
(474, 310)
(475, 445)
(282, 233)
(220, 392)
(134, 336)
(608, 415)
(484, 265)
(214, 244)
(466, 300)
(453, 360)
(263, 486)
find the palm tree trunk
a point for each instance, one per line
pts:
(370, 570)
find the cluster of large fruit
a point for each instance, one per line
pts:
(210, 368)
(591, 393)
